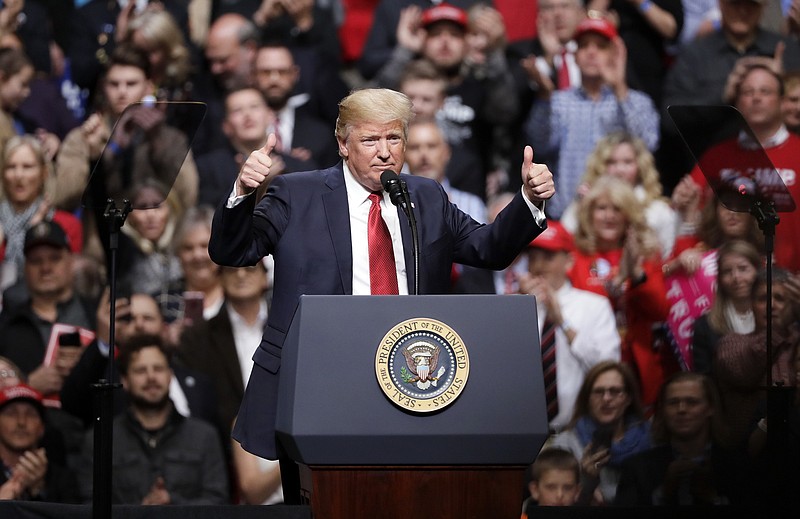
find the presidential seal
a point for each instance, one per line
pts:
(422, 365)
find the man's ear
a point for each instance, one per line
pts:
(342, 147)
(533, 488)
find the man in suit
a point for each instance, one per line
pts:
(315, 226)
(300, 132)
(220, 347)
(247, 119)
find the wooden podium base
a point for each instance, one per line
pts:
(387, 492)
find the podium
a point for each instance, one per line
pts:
(363, 454)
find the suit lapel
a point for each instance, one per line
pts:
(338, 216)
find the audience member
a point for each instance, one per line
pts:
(45, 111)
(301, 133)
(582, 321)
(246, 124)
(731, 311)
(648, 29)
(427, 88)
(741, 368)
(223, 347)
(617, 256)
(382, 40)
(551, 61)
(28, 472)
(690, 463)
(555, 481)
(427, 155)
(790, 102)
(16, 73)
(564, 126)
(27, 182)
(626, 157)
(156, 33)
(607, 427)
(148, 263)
(160, 457)
(200, 274)
(229, 55)
(26, 325)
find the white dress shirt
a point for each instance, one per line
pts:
(591, 317)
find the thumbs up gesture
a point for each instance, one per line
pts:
(536, 178)
(256, 169)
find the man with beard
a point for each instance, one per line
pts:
(160, 457)
(300, 131)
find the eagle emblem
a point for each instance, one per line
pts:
(422, 359)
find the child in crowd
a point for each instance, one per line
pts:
(555, 480)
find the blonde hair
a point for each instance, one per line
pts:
(159, 28)
(647, 175)
(374, 105)
(623, 198)
(45, 166)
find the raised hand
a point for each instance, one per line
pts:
(256, 169)
(536, 179)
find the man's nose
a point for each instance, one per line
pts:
(383, 148)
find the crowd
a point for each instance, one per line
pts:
(652, 279)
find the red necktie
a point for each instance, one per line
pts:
(548, 347)
(563, 71)
(382, 270)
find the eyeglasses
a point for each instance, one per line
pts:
(613, 392)
(8, 373)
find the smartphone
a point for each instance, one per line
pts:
(601, 438)
(69, 339)
(193, 306)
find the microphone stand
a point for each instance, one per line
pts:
(412, 220)
(104, 389)
(778, 396)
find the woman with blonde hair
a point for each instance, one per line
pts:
(626, 157)
(27, 183)
(156, 33)
(618, 256)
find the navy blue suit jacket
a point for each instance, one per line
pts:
(303, 221)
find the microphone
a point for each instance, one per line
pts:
(392, 185)
(398, 194)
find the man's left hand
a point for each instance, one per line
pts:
(536, 179)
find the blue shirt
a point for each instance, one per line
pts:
(565, 129)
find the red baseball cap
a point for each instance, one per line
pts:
(21, 392)
(555, 238)
(599, 26)
(444, 12)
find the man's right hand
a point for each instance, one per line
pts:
(256, 169)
